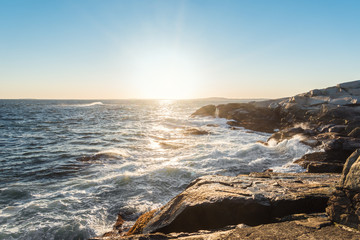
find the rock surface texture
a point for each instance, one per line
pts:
(256, 206)
(301, 227)
(328, 119)
(344, 205)
(212, 202)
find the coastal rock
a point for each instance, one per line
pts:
(208, 110)
(299, 226)
(289, 133)
(250, 117)
(324, 167)
(334, 105)
(355, 133)
(344, 204)
(196, 131)
(141, 223)
(337, 128)
(323, 162)
(212, 202)
(327, 119)
(117, 228)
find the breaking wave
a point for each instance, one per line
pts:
(106, 155)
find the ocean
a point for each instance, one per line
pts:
(68, 167)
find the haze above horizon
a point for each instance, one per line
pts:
(175, 49)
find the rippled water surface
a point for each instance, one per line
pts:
(67, 168)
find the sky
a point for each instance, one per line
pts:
(166, 49)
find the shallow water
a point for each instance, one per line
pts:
(67, 168)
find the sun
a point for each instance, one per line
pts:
(166, 73)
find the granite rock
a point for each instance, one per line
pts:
(327, 119)
(300, 226)
(344, 205)
(212, 202)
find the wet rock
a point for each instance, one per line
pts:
(212, 125)
(344, 204)
(262, 142)
(196, 131)
(324, 167)
(212, 202)
(208, 110)
(289, 133)
(117, 228)
(311, 142)
(141, 222)
(249, 116)
(324, 162)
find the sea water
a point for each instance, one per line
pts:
(68, 167)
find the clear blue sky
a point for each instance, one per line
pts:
(176, 49)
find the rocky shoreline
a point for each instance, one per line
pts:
(266, 205)
(327, 119)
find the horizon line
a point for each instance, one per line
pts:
(219, 98)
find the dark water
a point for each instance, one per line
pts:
(67, 168)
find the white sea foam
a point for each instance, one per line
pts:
(113, 152)
(83, 105)
(90, 104)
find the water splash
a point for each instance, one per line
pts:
(217, 112)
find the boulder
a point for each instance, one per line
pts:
(344, 205)
(288, 133)
(196, 131)
(324, 167)
(331, 161)
(351, 173)
(117, 228)
(208, 110)
(212, 202)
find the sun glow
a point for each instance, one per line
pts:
(165, 73)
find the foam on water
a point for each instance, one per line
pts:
(126, 157)
(88, 104)
(114, 152)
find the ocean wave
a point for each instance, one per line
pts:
(83, 105)
(92, 104)
(109, 154)
(291, 150)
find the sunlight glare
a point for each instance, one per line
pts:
(166, 73)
